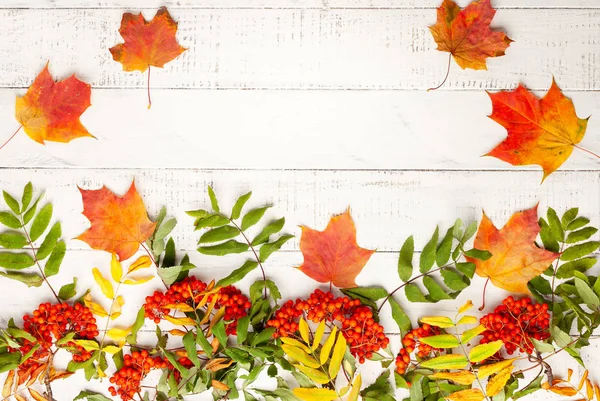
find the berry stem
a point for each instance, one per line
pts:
(11, 137)
(578, 147)
(37, 262)
(262, 269)
(446, 77)
(462, 347)
(149, 99)
(482, 307)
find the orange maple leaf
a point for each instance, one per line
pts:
(119, 224)
(466, 34)
(515, 257)
(50, 110)
(540, 131)
(332, 255)
(147, 43)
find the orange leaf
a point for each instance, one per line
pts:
(220, 385)
(566, 391)
(516, 259)
(50, 110)
(466, 33)
(8, 384)
(37, 396)
(119, 225)
(540, 131)
(333, 255)
(462, 377)
(473, 394)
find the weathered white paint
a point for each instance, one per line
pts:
(308, 49)
(285, 129)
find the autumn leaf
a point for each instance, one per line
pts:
(50, 110)
(473, 394)
(147, 43)
(515, 257)
(119, 224)
(333, 255)
(540, 131)
(466, 34)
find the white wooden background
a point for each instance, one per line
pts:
(315, 105)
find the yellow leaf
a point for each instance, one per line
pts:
(138, 281)
(473, 394)
(37, 396)
(105, 285)
(8, 384)
(497, 383)
(463, 377)
(484, 351)
(303, 327)
(180, 307)
(324, 356)
(337, 356)
(466, 307)
(101, 373)
(180, 321)
(141, 263)
(449, 361)
(597, 391)
(569, 374)
(344, 390)
(118, 334)
(89, 345)
(318, 335)
(315, 394)
(60, 375)
(438, 321)
(115, 310)
(116, 270)
(208, 310)
(295, 343)
(214, 365)
(488, 370)
(220, 385)
(111, 349)
(589, 389)
(300, 356)
(583, 379)
(177, 332)
(314, 374)
(353, 396)
(210, 285)
(468, 320)
(218, 316)
(19, 397)
(468, 335)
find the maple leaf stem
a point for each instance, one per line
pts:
(578, 147)
(482, 307)
(12, 136)
(149, 99)
(446, 77)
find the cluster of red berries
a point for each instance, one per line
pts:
(515, 322)
(135, 368)
(50, 322)
(190, 291)
(363, 335)
(411, 342)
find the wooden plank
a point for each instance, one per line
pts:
(388, 206)
(308, 49)
(292, 4)
(285, 129)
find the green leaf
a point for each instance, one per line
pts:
(214, 220)
(578, 251)
(548, 240)
(40, 222)
(581, 235)
(586, 293)
(561, 338)
(450, 361)
(414, 294)
(91, 396)
(269, 230)
(12, 241)
(219, 234)
(541, 285)
(427, 258)
(436, 292)
(170, 274)
(568, 217)
(444, 249)
(466, 268)
(478, 254)
(213, 200)
(164, 229)
(400, 317)
(555, 225)
(453, 280)
(225, 248)
(9, 361)
(578, 223)
(369, 293)
(203, 343)
(441, 341)
(242, 329)
(484, 351)
(137, 325)
(238, 274)
(189, 343)
(219, 332)
(31, 211)
(567, 270)
(253, 217)
(267, 249)
(9, 220)
(542, 347)
(15, 261)
(469, 232)
(12, 203)
(55, 259)
(405, 267)
(50, 241)
(30, 279)
(239, 205)
(68, 291)
(262, 336)
(27, 196)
